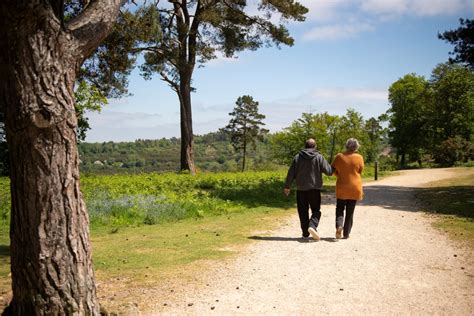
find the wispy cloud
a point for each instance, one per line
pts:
(334, 100)
(221, 60)
(122, 126)
(416, 7)
(361, 16)
(325, 10)
(337, 31)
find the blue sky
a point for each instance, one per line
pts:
(346, 55)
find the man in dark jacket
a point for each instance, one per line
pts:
(307, 168)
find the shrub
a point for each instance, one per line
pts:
(452, 150)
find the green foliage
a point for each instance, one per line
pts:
(375, 133)
(453, 150)
(88, 98)
(408, 98)
(244, 127)
(213, 152)
(156, 198)
(329, 131)
(451, 110)
(5, 200)
(108, 68)
(225, 27)
(433, 118)
(195, 31)
(4, 160)
(462, 39)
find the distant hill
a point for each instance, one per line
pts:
(213, 152)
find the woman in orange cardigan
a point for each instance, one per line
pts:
(348, 168)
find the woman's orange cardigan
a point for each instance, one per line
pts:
(348, 169)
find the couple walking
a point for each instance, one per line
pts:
(307, 169)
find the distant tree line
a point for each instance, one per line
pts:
(214, 153)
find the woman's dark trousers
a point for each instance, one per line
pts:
(349, 206)
(305, 200)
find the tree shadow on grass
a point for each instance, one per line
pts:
(4, 251)
(270, 195)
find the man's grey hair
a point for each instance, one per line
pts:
(310, 143)
(352, 144)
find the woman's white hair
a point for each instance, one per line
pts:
(352, 144)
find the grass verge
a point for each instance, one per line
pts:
(147, 253)
(452, 200)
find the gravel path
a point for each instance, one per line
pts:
(394, 263)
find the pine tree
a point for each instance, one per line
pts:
(244, 127)
(196, 31)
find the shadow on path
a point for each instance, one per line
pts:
(298, 239)
(391, 197)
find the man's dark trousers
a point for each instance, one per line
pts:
(346, 222)
(304, 200)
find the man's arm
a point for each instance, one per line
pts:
(290, 177)
(325, 166)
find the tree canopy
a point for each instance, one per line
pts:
(407, 97)
(463, 40)
(196, 31)
(245, 126)
(329, 131)
(433, 117)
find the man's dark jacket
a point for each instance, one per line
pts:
(307, 168)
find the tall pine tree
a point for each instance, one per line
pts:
(244, 127)
(194, 31)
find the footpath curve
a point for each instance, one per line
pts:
(394, 263)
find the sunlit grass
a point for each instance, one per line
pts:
(453, 202)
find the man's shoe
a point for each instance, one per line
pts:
(339, 232)
(314, 233)
(306, 238)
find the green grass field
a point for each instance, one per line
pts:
(452, 200)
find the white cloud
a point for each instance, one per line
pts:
(337, 31)
(122, 126)
(324, 10)
(370, 102)
(395, 8)
(221, 60)
(351, 95)
(338, 19)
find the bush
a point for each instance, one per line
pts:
(452, 150)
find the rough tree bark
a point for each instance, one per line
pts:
(187, 33)
(51, 261)
(186, 123)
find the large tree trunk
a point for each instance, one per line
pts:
(186, 122)
(51, 263)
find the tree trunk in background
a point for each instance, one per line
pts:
(51, 262)
(186, 122)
